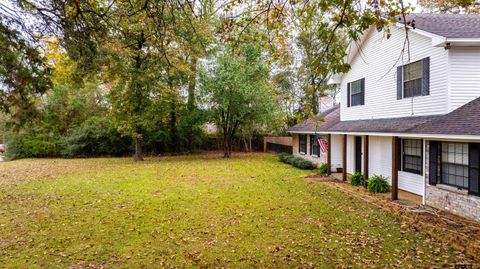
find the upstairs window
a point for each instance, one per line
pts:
(356, 93)
(412, 79)
(302, 143)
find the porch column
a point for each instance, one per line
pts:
(344, 158)
(365, 159)
(329, 154)
(395, 151)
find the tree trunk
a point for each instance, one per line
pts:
(191, 86)
(225, 143)
(229, 147)
(138, 148)
(173, 127)
(314, 97)
(250, 142)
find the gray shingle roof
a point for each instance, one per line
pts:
(386, 125)
(447, 25)
(465, 120)
(330, 118)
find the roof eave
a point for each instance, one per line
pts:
(399, 134)
(441, 41)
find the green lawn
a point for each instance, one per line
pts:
(194, 211)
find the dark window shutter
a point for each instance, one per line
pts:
(348, 94)
(399, 82)
(426, 76)
(362, 101)
(433, 162)
(473, 168)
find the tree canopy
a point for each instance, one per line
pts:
(153, 72)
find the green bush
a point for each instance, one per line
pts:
(303, 164)
(296, 162)
(13, 146)
(378, 184)
(357, 179)
(31, 145)
(96, 136)
(323, 168)
(40, 145)
(283, 157)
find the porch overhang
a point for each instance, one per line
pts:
(401, 134)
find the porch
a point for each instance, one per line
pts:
(404, 197)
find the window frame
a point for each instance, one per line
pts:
(313, 144)
(405, 156)
(415, 92)
(465, 167)
(302, 146)
(359, 81)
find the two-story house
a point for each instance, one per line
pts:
(410, 110)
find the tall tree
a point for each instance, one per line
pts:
(24, 75)
(133, 43)
(237, 91)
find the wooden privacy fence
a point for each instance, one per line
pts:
(278, 144)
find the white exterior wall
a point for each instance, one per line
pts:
(378, 55)
(350, 154)
(380, 156)
(380, 163)
(336, 147)
(464, 75)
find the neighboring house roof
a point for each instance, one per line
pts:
(464, 120)
(385, 125)
(447, 25)
(330, 117)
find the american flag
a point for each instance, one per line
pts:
(323, 144)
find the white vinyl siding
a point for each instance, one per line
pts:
(377, 63)
(350, 154)
(337, 144)
(380, 163)
(464, 79)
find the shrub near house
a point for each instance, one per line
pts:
(378, 184)
(297, 162)
(357, 179)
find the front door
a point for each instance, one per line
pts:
(358, 154)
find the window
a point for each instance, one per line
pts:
(302, 143)
(356, 93)
(412, 79)
(454, 169)
(314, 148)
(412, 156)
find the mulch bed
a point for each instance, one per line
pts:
(461, 233)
